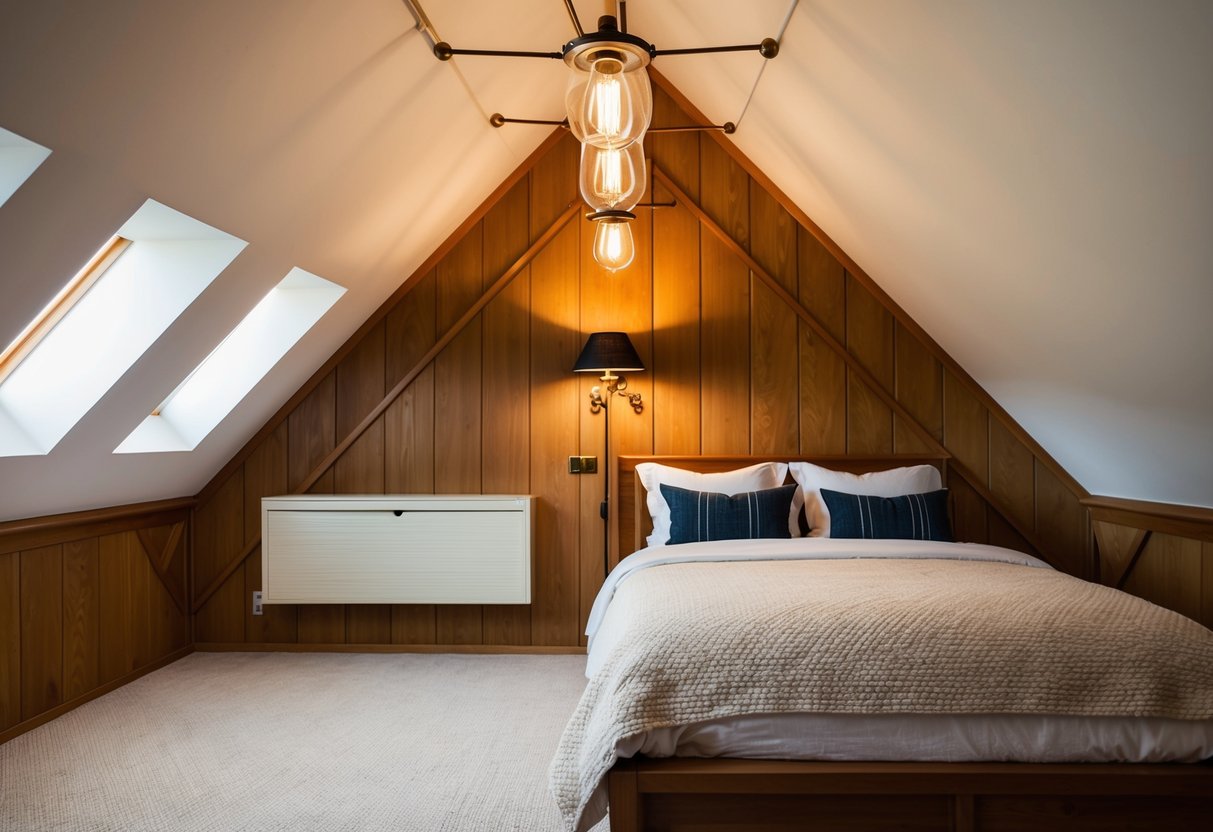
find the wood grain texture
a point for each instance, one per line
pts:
(457, 407)
(823, 373)
(870, 340)
(774, 356)
(505, 461)
(10, 640)
(81, 617)
(966, 427)
(265, 475)
(1011, 474)
(1169, 574)
(555, 344)
(116, 657)
(1206, 592)
(1061, 522)
(919, 386)
(220, 537)
(41, 630)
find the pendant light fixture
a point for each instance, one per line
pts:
(612, 183)
(608, 107)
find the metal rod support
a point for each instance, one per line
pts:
(727, 127)
(656, 205)
(444, 52)
(568, 4)
(623, 16)
(497, 120)
(769, 48)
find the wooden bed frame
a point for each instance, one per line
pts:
(715, 795)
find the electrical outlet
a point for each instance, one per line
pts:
(583, 465)
(257, 602)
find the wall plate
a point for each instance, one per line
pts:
(583, 465)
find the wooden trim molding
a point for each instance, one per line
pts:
(853, 268)
(35, 532)
(1195, 522)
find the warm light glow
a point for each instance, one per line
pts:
(607, 107)
(614, 248)
(606, 102)
(613, 179)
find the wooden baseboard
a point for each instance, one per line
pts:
(97, 692)
(293, 647)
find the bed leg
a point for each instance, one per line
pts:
(624, 797)
(962, 813)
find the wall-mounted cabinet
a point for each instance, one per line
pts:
(396, 549)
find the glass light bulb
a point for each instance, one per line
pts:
(614, 248)
(608, 107)
(613, 178)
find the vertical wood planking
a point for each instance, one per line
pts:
(311, 435)
(360, 470)
(114, 633)
(968, 512)
(1169, 574)
(41, 630)
(1061, 524)
(774, 357)
(10, 639)
(506, 405)
(1206, 595)
(410, 331)
(724, 306)
(81, 621)
(965, 427)
(823, 373)
(919, 386)
(675, 256)
(555, 343)
(870, 340)
(265, 475)
(1011, 474)
(139, 574)
(457, 403)
(220, 537)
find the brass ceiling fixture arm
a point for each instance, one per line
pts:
(498, 120)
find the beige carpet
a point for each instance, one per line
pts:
(280, 741)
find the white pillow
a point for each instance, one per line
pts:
(896, 482)
(754, 478)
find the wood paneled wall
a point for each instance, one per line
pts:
(1159, 552)
(88, 602)
(757, 339)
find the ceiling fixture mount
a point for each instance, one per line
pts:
(608, 108)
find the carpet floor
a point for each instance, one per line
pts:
(222, 742)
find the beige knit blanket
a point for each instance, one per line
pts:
(710, 640)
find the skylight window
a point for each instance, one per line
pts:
(103, 321)
(242, 359)
(19, 158)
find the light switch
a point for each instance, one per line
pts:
(583, 465)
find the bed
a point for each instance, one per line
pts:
(703, 650)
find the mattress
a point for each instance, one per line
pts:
(1129, 734)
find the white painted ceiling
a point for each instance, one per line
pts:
(1032, 181)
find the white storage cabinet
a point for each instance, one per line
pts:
(396, 549)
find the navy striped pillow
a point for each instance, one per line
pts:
(912, 517)
(696, 516)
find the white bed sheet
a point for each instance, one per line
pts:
(894, 737)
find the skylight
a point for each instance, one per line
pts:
(241, 360)
(87, 338)
(19, 158)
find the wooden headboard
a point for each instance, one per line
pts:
(632, 521)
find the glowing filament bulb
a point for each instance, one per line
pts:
(614, 248)
(609, 177)
(606, 99)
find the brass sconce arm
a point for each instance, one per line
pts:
(615, 385)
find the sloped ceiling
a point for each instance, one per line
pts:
(1033, 182)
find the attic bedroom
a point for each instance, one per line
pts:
(570, 415)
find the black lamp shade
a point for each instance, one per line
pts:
(608, 351)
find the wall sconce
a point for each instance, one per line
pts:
(609, 353)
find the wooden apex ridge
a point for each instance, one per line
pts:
(871, 285)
